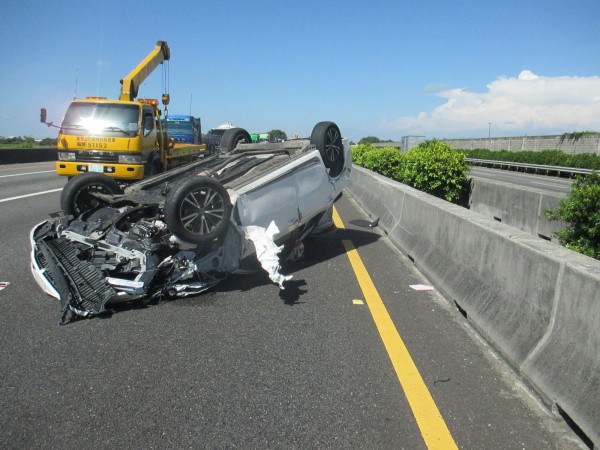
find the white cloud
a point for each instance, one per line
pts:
(528, 104)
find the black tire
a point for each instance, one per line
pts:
(154, 165)
(198, 210)
(327, 138)
(232, 137)
(76, 197)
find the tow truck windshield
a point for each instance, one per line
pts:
(101, 119)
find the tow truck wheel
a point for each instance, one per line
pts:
(232, 137)
(198, 210)
(76, 197)
(327, 138)
(154, 165)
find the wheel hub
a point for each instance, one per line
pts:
(202, 211)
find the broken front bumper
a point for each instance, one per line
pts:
(86, 290)
(80, 286)
(37, 268)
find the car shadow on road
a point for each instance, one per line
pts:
(318, 249)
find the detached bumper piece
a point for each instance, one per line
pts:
(82, 287)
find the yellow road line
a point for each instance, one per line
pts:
(431, 423)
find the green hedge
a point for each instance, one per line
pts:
(359, 152)
(386, 160)
(436, 168)
(544, 157)
(431, 167)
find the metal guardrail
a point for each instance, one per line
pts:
(535, 168)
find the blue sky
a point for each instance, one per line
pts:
(382, 68)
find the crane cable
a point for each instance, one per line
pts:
(165, 102)
(165, 86)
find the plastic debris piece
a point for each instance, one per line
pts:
(266, 250)
(422, 287)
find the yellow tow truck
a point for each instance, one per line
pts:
(123, 139)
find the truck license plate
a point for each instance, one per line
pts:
(96, 168)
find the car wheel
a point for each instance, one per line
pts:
(76, 197)
(198, 210)
(327, 138)
(231, 138)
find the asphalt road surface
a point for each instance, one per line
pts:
(540, 182)
(320, 364)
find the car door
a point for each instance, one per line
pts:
(288, 196)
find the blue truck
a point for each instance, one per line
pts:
(184, 129)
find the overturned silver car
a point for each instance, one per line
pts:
(180, 232)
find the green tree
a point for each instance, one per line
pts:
(369, 140)
(28, 142)
(48, 142)
(278, 135)
(581, 210)
(14, 140)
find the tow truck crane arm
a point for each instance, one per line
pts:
(131, 83)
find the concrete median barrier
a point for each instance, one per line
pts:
(536, 302)
(26, 155)
(517, 206)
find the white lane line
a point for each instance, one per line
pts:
(29, 195)
(26, 173)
